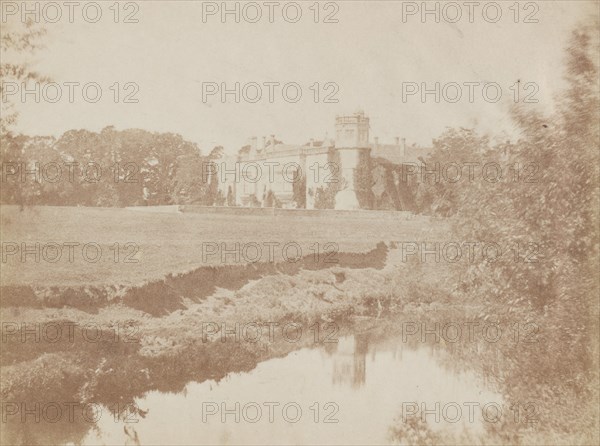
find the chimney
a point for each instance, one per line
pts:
(272, 141)
(312, 143)
(403, 150)
(397, 139)
(264, 143)
(376, 142)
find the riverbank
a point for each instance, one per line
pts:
(116, 353)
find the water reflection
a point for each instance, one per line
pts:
(350, 361)
(345, 393)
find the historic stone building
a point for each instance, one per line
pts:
(269, 173)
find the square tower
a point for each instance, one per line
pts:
(352, 131)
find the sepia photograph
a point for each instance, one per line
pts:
(311, 222)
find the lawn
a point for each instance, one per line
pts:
(140, 246)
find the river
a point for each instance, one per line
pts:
(350, 392)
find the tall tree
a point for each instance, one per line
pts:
(17, 41)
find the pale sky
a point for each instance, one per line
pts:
(369, 53)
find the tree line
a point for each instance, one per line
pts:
(106, 168)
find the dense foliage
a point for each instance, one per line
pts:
(110, 168)
(545, 221)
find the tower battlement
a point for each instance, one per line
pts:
(352, 131)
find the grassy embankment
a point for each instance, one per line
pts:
(171, 293)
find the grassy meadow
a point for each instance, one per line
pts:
(152, 245)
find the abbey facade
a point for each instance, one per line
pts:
(330, 173)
